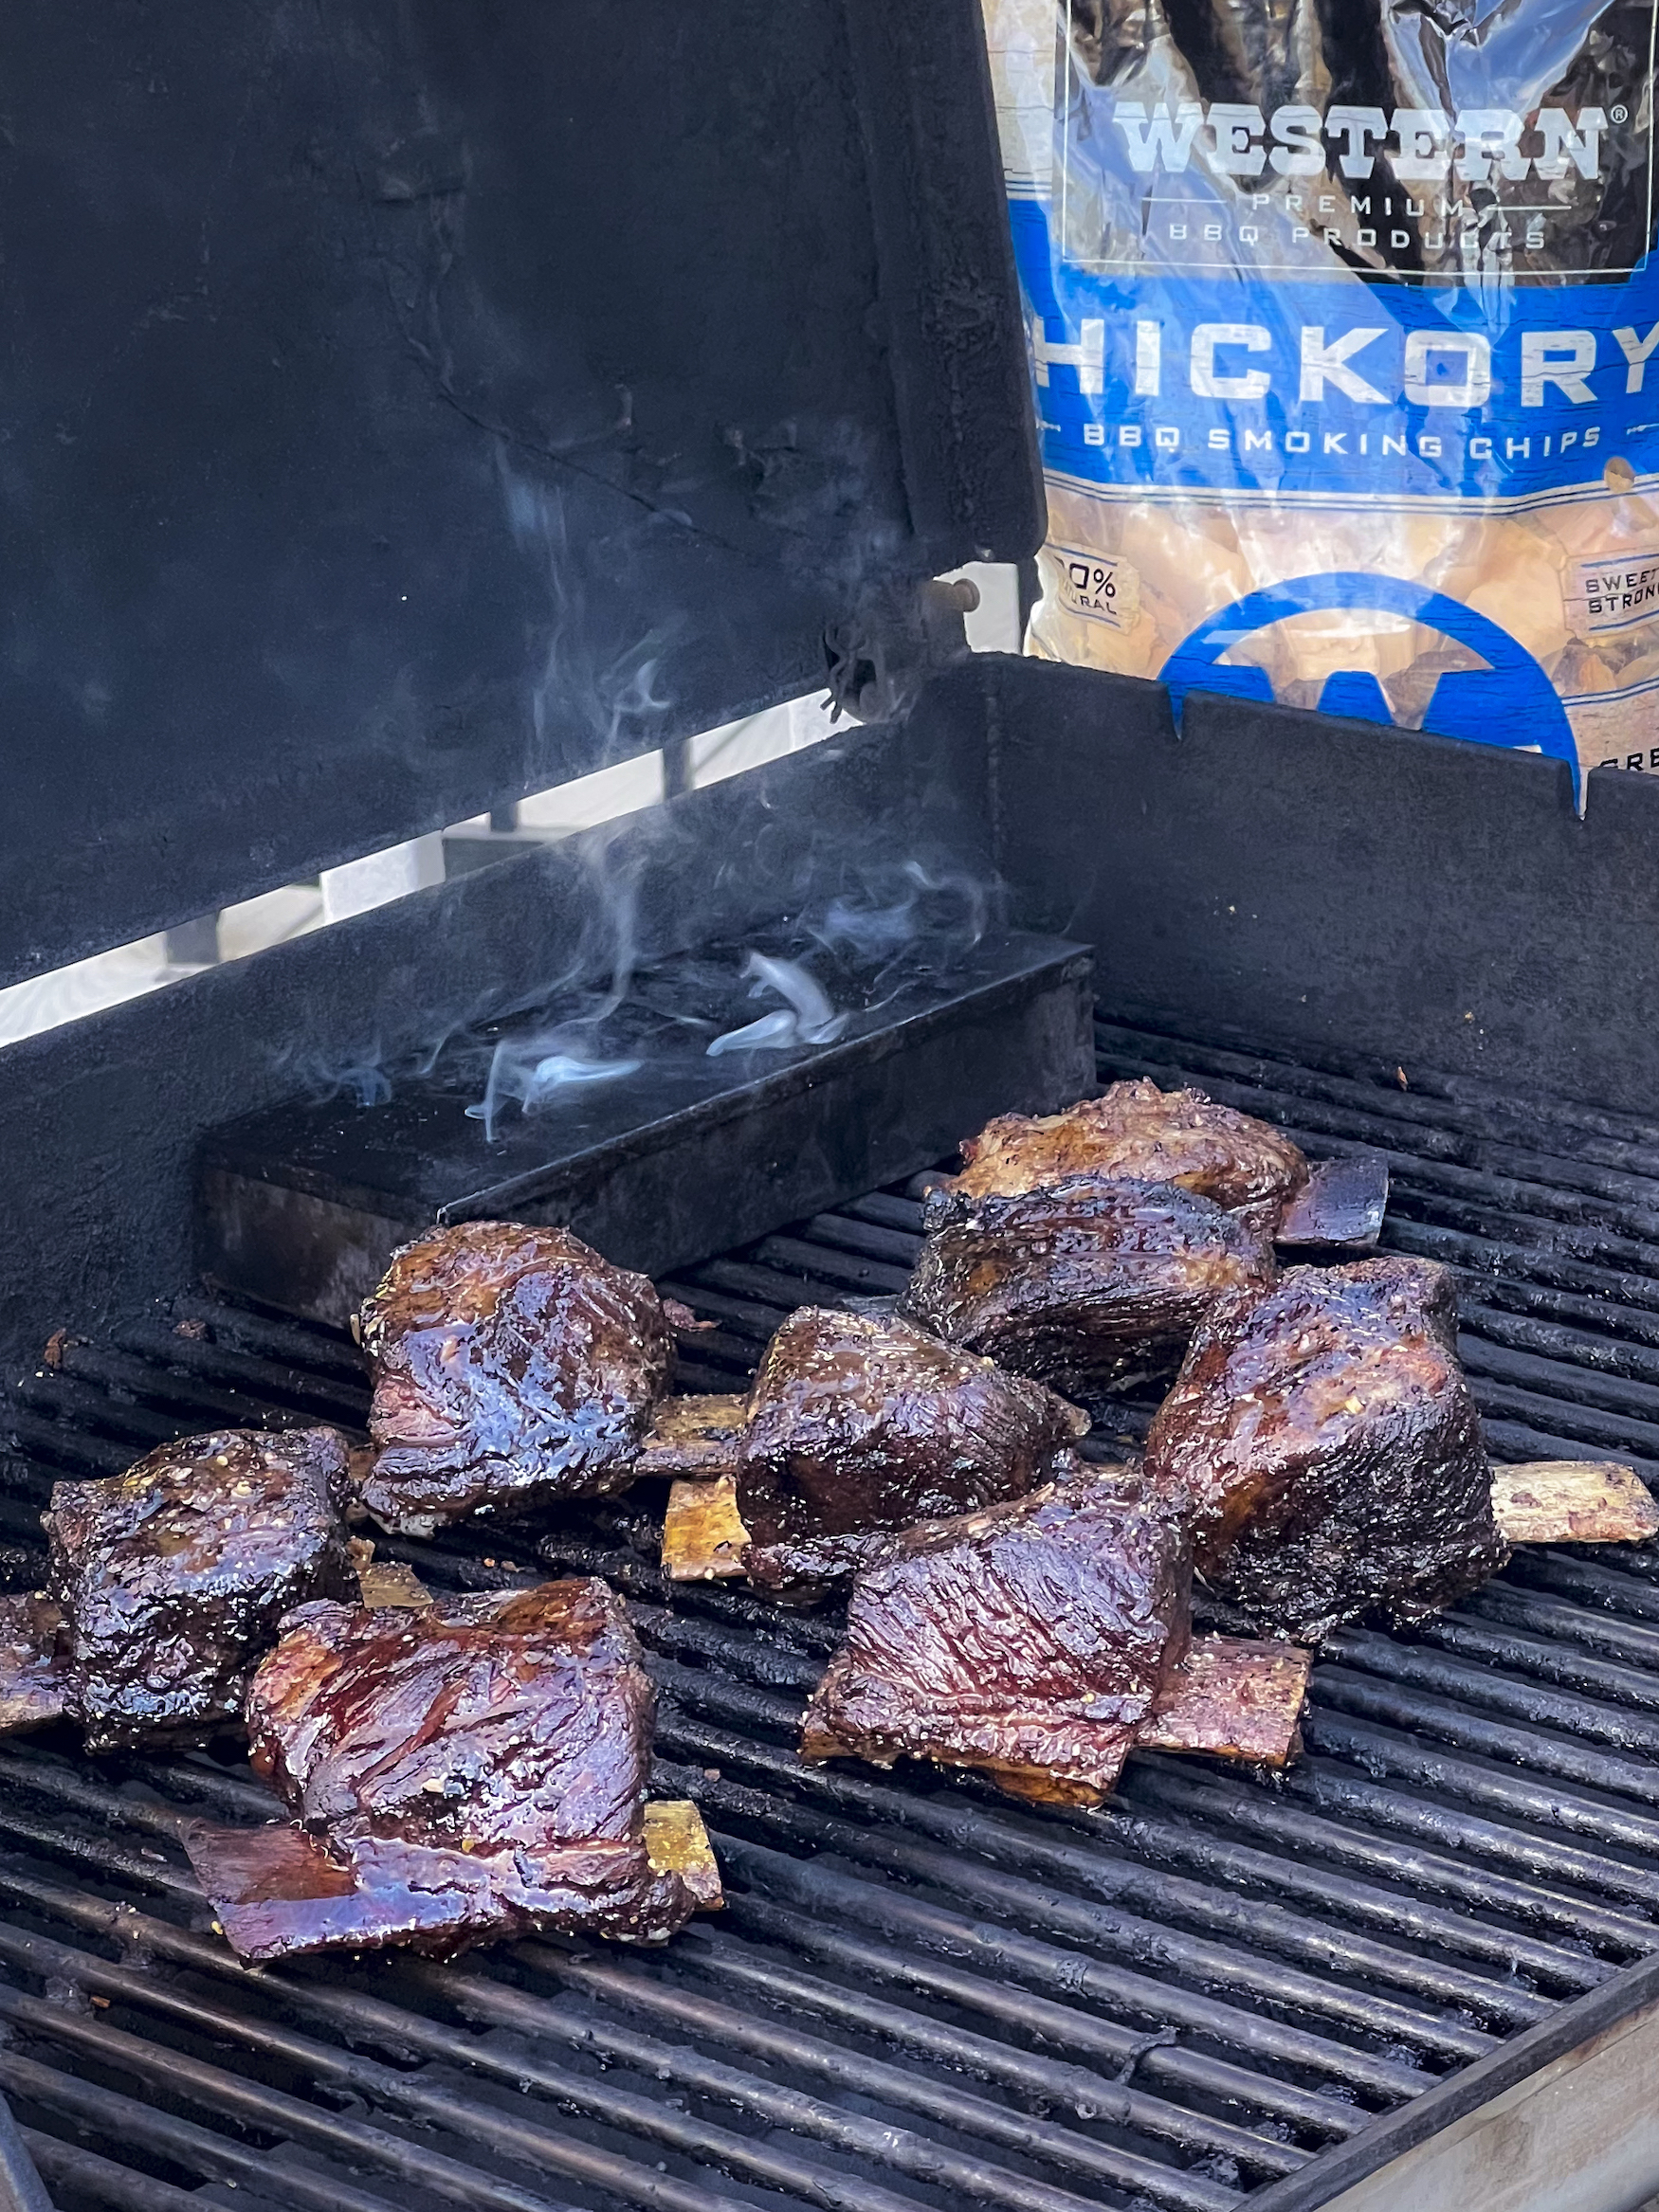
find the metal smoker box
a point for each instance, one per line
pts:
(407, 408)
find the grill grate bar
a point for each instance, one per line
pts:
(1593, 1221)
(818, 1259)
(365, 2018)
(191, 1368)
(1541, 1659)
(749, 1320)
(1551, 1318)
(1350, 1782)
(1379, 1698)
(1209, 1964)
(1046, 1967)
(1196, 1964)
(60, 1451)
(306, 1351)
(1423, 1668)
(65, 1399)
(1087, 2094)
(728, 1700)
(66, 2167)
(1452, 1113)
(1562, 1573)
(895, 1242)
(117, 2119)
(1205, 1796)
(1237, 2090)
(490, 2001)
(166, 2069)
(1518, 1269)
(1556, 1619)
(1557, 1421)
(1377, 1751)
(110, 1862)
(152, 1386)
(168, 2066)
(1257, 1875)
(1635, 1404)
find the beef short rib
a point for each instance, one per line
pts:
(1135, 1133)
(171, 1578)
(471, 1771)
(859, 1427)
(512, 1366)
(1324, 1439)
(1091, 1283)
(1030, 1642)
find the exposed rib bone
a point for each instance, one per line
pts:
(1235, 1700)
(693, 1437)
(1573, 1502)
(704, 1538)
(1341, 1206)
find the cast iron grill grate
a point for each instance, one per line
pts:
(919, 1996)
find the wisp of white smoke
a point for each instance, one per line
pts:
(808, 1019)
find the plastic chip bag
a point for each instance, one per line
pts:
(1345, 349)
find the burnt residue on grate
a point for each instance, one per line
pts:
(918, 1995)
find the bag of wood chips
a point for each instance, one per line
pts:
(1345, 345)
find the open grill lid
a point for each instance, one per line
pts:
(407, 408)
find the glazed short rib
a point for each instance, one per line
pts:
(1324, 1441)
(512, 1366)
(857, 1428)
(473, 1771)
(169, 1581)
(1090, 1284)
(1133, 1133)
(1030, 1642)
(1082, 1247)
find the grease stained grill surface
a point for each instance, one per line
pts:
(917, 1995)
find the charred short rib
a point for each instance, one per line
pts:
(1135, 1133)
(1324, 1439)
(512, 1366)
(471, 1771)
(858, 1427)
(1092, 1285)
(1031, 1642)
(173, 1577)
(1082, 1247)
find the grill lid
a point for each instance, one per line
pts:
(407, 408)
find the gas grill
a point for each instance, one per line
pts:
(1219, 1988)
(408, 410)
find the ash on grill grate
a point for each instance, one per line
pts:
(919, 1996)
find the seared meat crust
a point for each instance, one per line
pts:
(474, 1771)
(32, 1669)
(171, 1578)
(1031, 1640)
(1092, 1284)
(512, 1366)
(1323, 1436)
(1134, 1131)
(860, 1426)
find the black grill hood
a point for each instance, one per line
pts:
(411, 406)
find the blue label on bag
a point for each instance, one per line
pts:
(1337, 386)
(1488, 704)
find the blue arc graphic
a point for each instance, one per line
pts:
(1509, 701)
